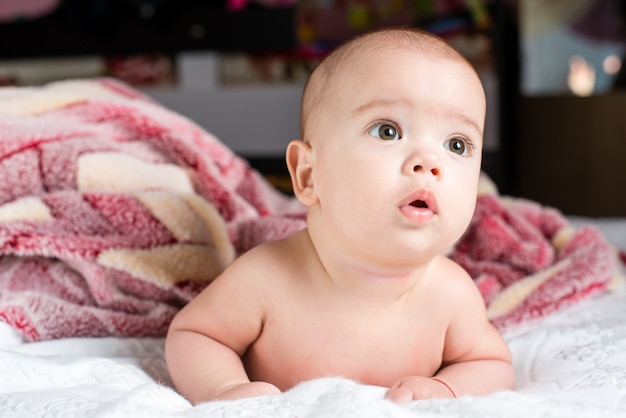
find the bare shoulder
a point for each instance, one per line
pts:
(469, 335)
(262, 268)
(273, 260)
(453, 291)
(459, 294)
(454, 281)
(233, 307)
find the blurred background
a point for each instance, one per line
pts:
(552, 71)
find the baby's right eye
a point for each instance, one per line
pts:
(385, 131)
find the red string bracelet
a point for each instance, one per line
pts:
(446, 385)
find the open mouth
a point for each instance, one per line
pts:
(419, 204)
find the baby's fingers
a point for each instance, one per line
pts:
(400, 394)
(417, 387)
(248, 390)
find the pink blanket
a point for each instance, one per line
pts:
(528, 261)
(115, 212)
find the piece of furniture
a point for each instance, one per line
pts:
(567, 153)
(123, 28)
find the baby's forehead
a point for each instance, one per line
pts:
(358, 55)
(369, 63)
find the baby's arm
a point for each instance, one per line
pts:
(476, 359)
(207, 338)
(204, 369)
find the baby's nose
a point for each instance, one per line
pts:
(433, 170)
(425, 161)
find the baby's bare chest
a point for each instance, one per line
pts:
(376, 351)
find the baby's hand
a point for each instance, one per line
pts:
(418, 387)
(247, 390)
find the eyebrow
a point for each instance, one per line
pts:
(470, 122)
(394, 102)
(379, 103)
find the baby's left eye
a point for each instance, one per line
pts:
(458, 146)
(385, 131)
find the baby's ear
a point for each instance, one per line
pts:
(299, 163)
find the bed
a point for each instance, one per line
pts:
(115, 211)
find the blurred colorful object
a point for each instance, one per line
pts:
(141, 70)
(235, 5)
(11, 10)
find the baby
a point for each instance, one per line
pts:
(388, 166)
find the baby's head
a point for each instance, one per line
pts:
(391, 138)
(324, 83)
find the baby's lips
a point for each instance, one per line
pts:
(421, 199)
(420, 206)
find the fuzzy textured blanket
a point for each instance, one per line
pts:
(115, 212)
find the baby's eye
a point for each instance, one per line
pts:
(385, 131)
(459, 146)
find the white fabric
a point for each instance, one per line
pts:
(572, 364)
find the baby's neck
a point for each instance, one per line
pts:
(358, 278)
(373, 284)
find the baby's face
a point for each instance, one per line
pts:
(397, 153)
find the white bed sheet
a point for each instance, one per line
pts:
(572, 364)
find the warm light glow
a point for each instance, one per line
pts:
(582, 76)
(612, 64)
